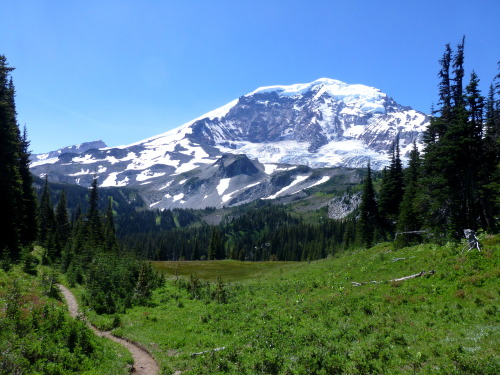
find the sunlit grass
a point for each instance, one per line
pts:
(228, 270)
(303, 318)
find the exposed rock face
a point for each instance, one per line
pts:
(261, 145)
(340, 207)
(234, 165)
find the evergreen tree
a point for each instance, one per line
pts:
(491, 170)
(216, 246)
(368, 222)
(409, 215)
(458, 71)
(93, 223)
(47, 217)
(11, 187)
(391, 191)
(29, 228)
(62, 224)
(195, 254)
(111, 242)
(452, 145)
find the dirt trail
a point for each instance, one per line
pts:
(144, 363)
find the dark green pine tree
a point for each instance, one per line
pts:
(491, 172)
(93, 223)
(216, 249)
(47, 218)
(368, 223)
(111, 242)
(457, 90)
(391, 190)
(409, 214)
(29, 229)
(450, 186)
(63, 225)
(195, 254)
(11, 189)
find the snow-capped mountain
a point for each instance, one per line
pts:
(325, 123)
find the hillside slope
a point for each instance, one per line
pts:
(308, 318)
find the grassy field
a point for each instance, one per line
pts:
(228, 270)
(309, 318)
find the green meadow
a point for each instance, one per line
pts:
(233, 317)
(228, 270)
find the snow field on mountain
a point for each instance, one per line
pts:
(223, 185)
(229, 196)
(297, 180)
(111, 180)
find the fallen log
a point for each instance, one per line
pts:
(423, 273)
(420, 274)
(365, 282)
(208, 351)
(398, 259)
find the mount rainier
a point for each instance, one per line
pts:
(274, 141)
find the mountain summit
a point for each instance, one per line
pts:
(320, 124)
(325, 123)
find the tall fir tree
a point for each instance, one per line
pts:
(93, 223)
(11, 189)
(391, 190)
(195, 254)
(458, 72)
(109, 231)
(491, 186)
(216, 250)
(409, 222)
(368, 223)
(29, 228)
(450, 195)
(63, 224)
(47, 218)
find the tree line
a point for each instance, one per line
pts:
(258, 232)
(454, 183)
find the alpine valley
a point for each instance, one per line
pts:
(273, 142)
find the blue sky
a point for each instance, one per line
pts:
(122, 71)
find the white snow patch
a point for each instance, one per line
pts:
(86, 159)
(297, 180)
(178, 197)
(166, 185)
(148, 174)
(44, 161)
(82, 172)
(227, 197)
(269, 168)
(223, 185)
(322, 180)
(112, 181)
